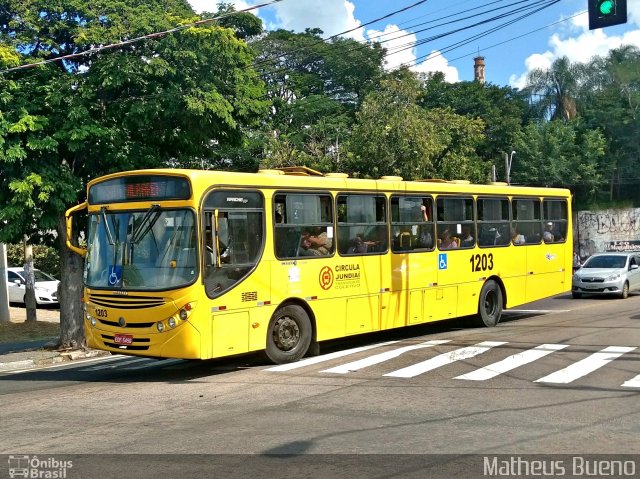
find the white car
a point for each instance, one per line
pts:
(46, 286)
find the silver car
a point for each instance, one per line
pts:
(607, 273)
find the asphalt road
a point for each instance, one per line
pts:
(560, 376)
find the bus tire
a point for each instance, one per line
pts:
(289, 334)
(490, 304)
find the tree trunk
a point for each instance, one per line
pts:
(29, 287)
(70, 292)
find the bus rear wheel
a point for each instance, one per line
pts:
(490, 304)
(289, 334)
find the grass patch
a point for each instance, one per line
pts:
(23, 331)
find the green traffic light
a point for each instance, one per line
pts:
(607, 7)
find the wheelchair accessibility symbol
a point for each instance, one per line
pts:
(115, 274)
(442, 261)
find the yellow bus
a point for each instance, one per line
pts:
(204, 264)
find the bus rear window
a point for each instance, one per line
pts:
(140, 188)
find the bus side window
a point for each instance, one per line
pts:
(362, 224)
(303, 225)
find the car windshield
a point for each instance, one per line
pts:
(606, 262)
(38, 276)
(149, 250)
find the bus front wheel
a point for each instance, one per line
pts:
(289, 334)
(490, 304)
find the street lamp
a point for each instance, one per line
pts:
(508, 159)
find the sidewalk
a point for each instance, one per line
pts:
(31, 354)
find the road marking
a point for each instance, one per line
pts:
(541, 311)
(63, 365)
(123, 360)
(154, 363)
(444, 359)
(326, 357)
(632, 383)
(381, 357)
(586, 365)
(512, 362)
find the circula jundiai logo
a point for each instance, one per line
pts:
(326, 277)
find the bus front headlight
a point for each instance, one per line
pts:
(160, 326)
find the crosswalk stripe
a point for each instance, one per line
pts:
(326, 357)
(512, 362)
(152, 363)
(122, 361)
(381, 357)
(444, 359)
(586, 365)
(632, 383)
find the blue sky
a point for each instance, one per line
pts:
(510, 52)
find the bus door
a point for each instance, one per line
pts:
(550, 260)
(235, 281)
(413, 269)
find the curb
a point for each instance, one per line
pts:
(64, 357)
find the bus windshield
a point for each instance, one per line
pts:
(155, 249)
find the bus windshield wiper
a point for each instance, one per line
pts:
(146, 224)
(103, 212)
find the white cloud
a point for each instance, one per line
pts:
(401, 52)
(580, 44)
(331, 16)
(212, 5)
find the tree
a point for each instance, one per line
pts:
(611, 99)
(556, 89)
(503, 110)
(165, 100)
(561, 154)
(394, 135)
(315, 87)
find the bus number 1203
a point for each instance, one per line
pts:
(481, 262)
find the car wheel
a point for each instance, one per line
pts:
(575, 295)
(624, 294)
(490, 304)
(289, 334)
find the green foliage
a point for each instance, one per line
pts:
(561, 154)
(167, 101)
(315, 88)
(504, 111)
(45, 258)
(394, 135)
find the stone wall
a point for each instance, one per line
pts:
(607, 230)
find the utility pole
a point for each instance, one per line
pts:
(4, 287)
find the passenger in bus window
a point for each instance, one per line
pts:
(424, 213)
(467, 237)
(316, 242)
(446, 241)
(516, 237)
(358, 245)
(548, 235)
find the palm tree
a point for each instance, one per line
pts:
(557, 89)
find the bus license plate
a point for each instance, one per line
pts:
(123, 339)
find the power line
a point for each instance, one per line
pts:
(137, 39)
(332, 37)
(477, 36)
